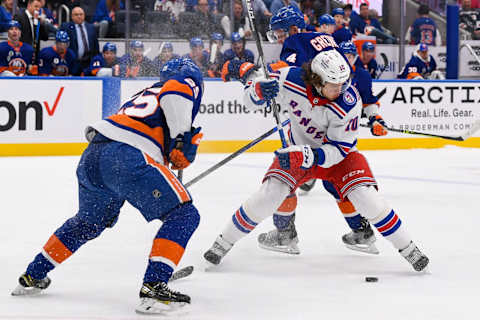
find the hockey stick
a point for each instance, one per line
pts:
(235, 154)
(474, 128)
(180, 175)
(385, 64)
(182, 273)
(251, 20)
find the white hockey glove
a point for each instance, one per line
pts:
(302, 156)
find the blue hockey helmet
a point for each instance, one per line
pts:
(286, 17)
(181, 66)
(14, 24)
(196, 42)
(326, 19)
(368, 46)
(108, 46)
(338, 11)
(422, 47)
(348, 47)
(216, 36)
(62, 36)
(236, 37)
(136, 44)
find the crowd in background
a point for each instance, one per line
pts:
(204, 23)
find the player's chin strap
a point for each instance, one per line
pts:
(251, 20)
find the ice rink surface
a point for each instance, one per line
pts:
(435, 192)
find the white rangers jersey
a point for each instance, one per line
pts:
(314, 120)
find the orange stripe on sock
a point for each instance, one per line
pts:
(56, 249)
(346, 206)
(167, 249)
(176, 184)
(288, 205)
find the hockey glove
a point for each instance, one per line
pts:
(185, 148)
(377, 125)
(264, 90)
(302, 156)
(237, 70)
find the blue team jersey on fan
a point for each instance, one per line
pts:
(15, 58)
(371, 66)
(248, 56)
(302, 47)
(416, 66)
(342, 35)
(52, 63)
(423, 30)
(363, 82)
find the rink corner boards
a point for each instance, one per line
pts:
(229, 146)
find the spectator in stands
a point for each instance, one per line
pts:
(238, 50)
(104, 18)
(341, 33)
(423, 29)
(348, 14)
(240, 21)
(58, 60)
(105, 64)
(47, 16)
(362, 24)
(262, 14)
(421, 66)
(135, 64)
(215, 6)
(198, 54)
(215, 56)
(367, 59)
(33, 26)
(278, 4)
(311, 10)
(72, 3)
(6, 9)
(172, 6)
(469, 19)
(474, 4)
(15, 56)
(165, 54)
(83, 39)
(207, 21)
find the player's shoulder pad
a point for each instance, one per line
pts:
(178, 85)
(293, 81)
(345, 102)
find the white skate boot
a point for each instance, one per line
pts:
(415, 257)
(218, 250)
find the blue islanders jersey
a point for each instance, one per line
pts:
(302, 47)
(248, 56)
(15, 58)
(98, 62)
(418, 67)
(52, 63)
(202, 63)
(342, 34)
(423, 30)
(154, 116)
(371, 66)
(363, 82)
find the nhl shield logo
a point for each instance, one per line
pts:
(348, 98)
(315, 101)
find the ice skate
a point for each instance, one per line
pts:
(280, 240)
(30, 286)
(361, 239)
(157, 297)
(415, 257)
(218, 250)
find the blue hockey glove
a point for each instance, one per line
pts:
(237, 70)
(265, 89)
(302, 156)
(377, 125)
(185, 148)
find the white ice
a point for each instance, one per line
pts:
(435, 192)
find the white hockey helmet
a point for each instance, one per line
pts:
(331, 66)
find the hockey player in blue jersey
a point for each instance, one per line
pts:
(198, 54)
(57, 60)
(238, 50)
(15, 56)
(367, 60)
(424, 29)
(104, 64)
(422, 65)
(128, 159)
(134, 63)
(215, 56)
(341, 33)
(165, 54)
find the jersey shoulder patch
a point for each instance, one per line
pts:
(345, 103)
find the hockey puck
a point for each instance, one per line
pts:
(371, 279)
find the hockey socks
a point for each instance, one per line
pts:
(354, 220)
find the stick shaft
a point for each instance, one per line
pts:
(419, 133)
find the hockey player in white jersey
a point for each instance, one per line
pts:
(324, 111)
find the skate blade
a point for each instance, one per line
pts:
(152, 306)
(22, 291)
(291, 249)
(371, 249)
